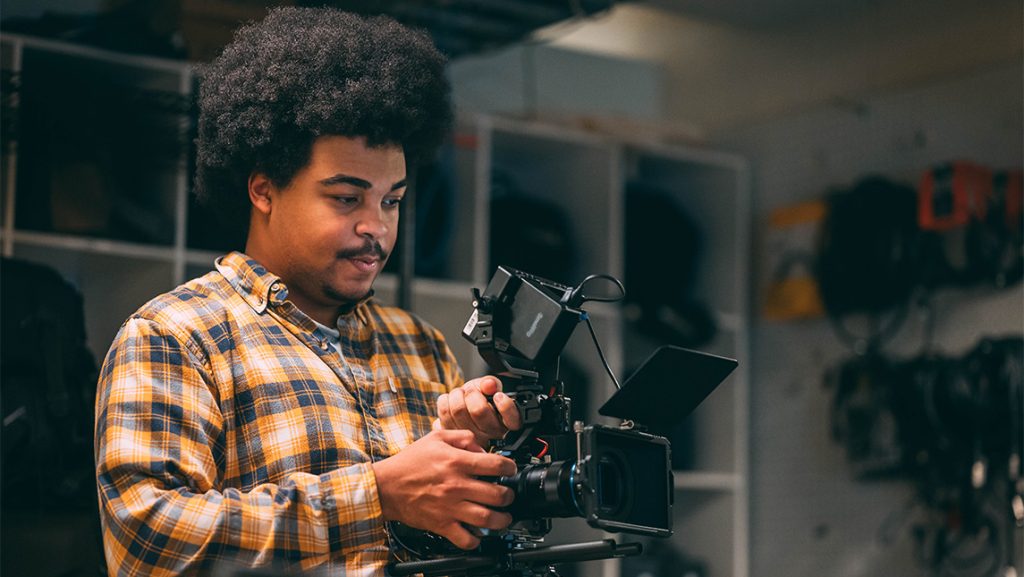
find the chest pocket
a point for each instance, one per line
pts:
(406, 408)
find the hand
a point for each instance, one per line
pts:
(467, 408)
(432, 484)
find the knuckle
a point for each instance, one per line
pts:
(498, 520)
(506, 496)
(481, 412)
(486, 518)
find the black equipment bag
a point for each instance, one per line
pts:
(868, 250)
(663, 246)
(529, 232)
(48, 393)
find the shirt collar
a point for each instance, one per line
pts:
(261, 289)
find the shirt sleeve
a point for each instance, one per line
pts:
(159, 453)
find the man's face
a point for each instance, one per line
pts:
(328, 233)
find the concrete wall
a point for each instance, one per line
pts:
(809, 518)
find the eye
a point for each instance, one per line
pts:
(392, 202)
(346, 200)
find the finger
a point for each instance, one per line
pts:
(460, 439)
(485, 418)
(483, 517)
(436, 425)
(459, 413)
(487, 385)
(489, 465)
(444, 412)
(459, 536)
(509, 411)
(488, 494)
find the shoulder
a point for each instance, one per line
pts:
(196, 302)
(197, 314)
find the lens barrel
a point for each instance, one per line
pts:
(544, 490)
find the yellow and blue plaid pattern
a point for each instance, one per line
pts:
(232, 429)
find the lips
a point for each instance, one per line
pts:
(365, 263)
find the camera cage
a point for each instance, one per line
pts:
(520, 324)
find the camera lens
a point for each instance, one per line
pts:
(545, 490)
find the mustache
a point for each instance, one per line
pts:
(369, 248)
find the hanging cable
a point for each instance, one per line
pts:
(577, 297)
(600, 353)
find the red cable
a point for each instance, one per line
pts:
(543, 451)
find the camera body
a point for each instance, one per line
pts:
(617, 479)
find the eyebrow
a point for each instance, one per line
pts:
(357, 182)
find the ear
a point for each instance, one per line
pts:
(261, 189)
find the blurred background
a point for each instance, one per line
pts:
(828, 191)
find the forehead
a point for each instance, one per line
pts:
(333, 154)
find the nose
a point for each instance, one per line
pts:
(371, 223)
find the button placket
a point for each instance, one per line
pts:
(359, 366)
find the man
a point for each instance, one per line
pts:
(271, 411)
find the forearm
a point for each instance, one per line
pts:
(151, 528)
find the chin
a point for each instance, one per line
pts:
(347, 294)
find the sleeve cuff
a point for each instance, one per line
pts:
(352, 503)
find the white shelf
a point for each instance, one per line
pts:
(691, 154)
(706, 481)
(91, 53)
(543, 131)
(201, 257)
(94, 245)
(729, 321)
(430, 287)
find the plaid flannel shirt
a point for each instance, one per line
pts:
(230, 428)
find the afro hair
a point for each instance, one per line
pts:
(302, 73)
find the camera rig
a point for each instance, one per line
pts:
(616, 478)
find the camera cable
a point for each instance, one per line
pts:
(577, 298)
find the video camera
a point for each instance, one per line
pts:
(616, 478)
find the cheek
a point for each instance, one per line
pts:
(393, 226)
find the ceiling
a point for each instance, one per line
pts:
(723, 62)
(726, 64)
(761, 13)
(198, 29)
